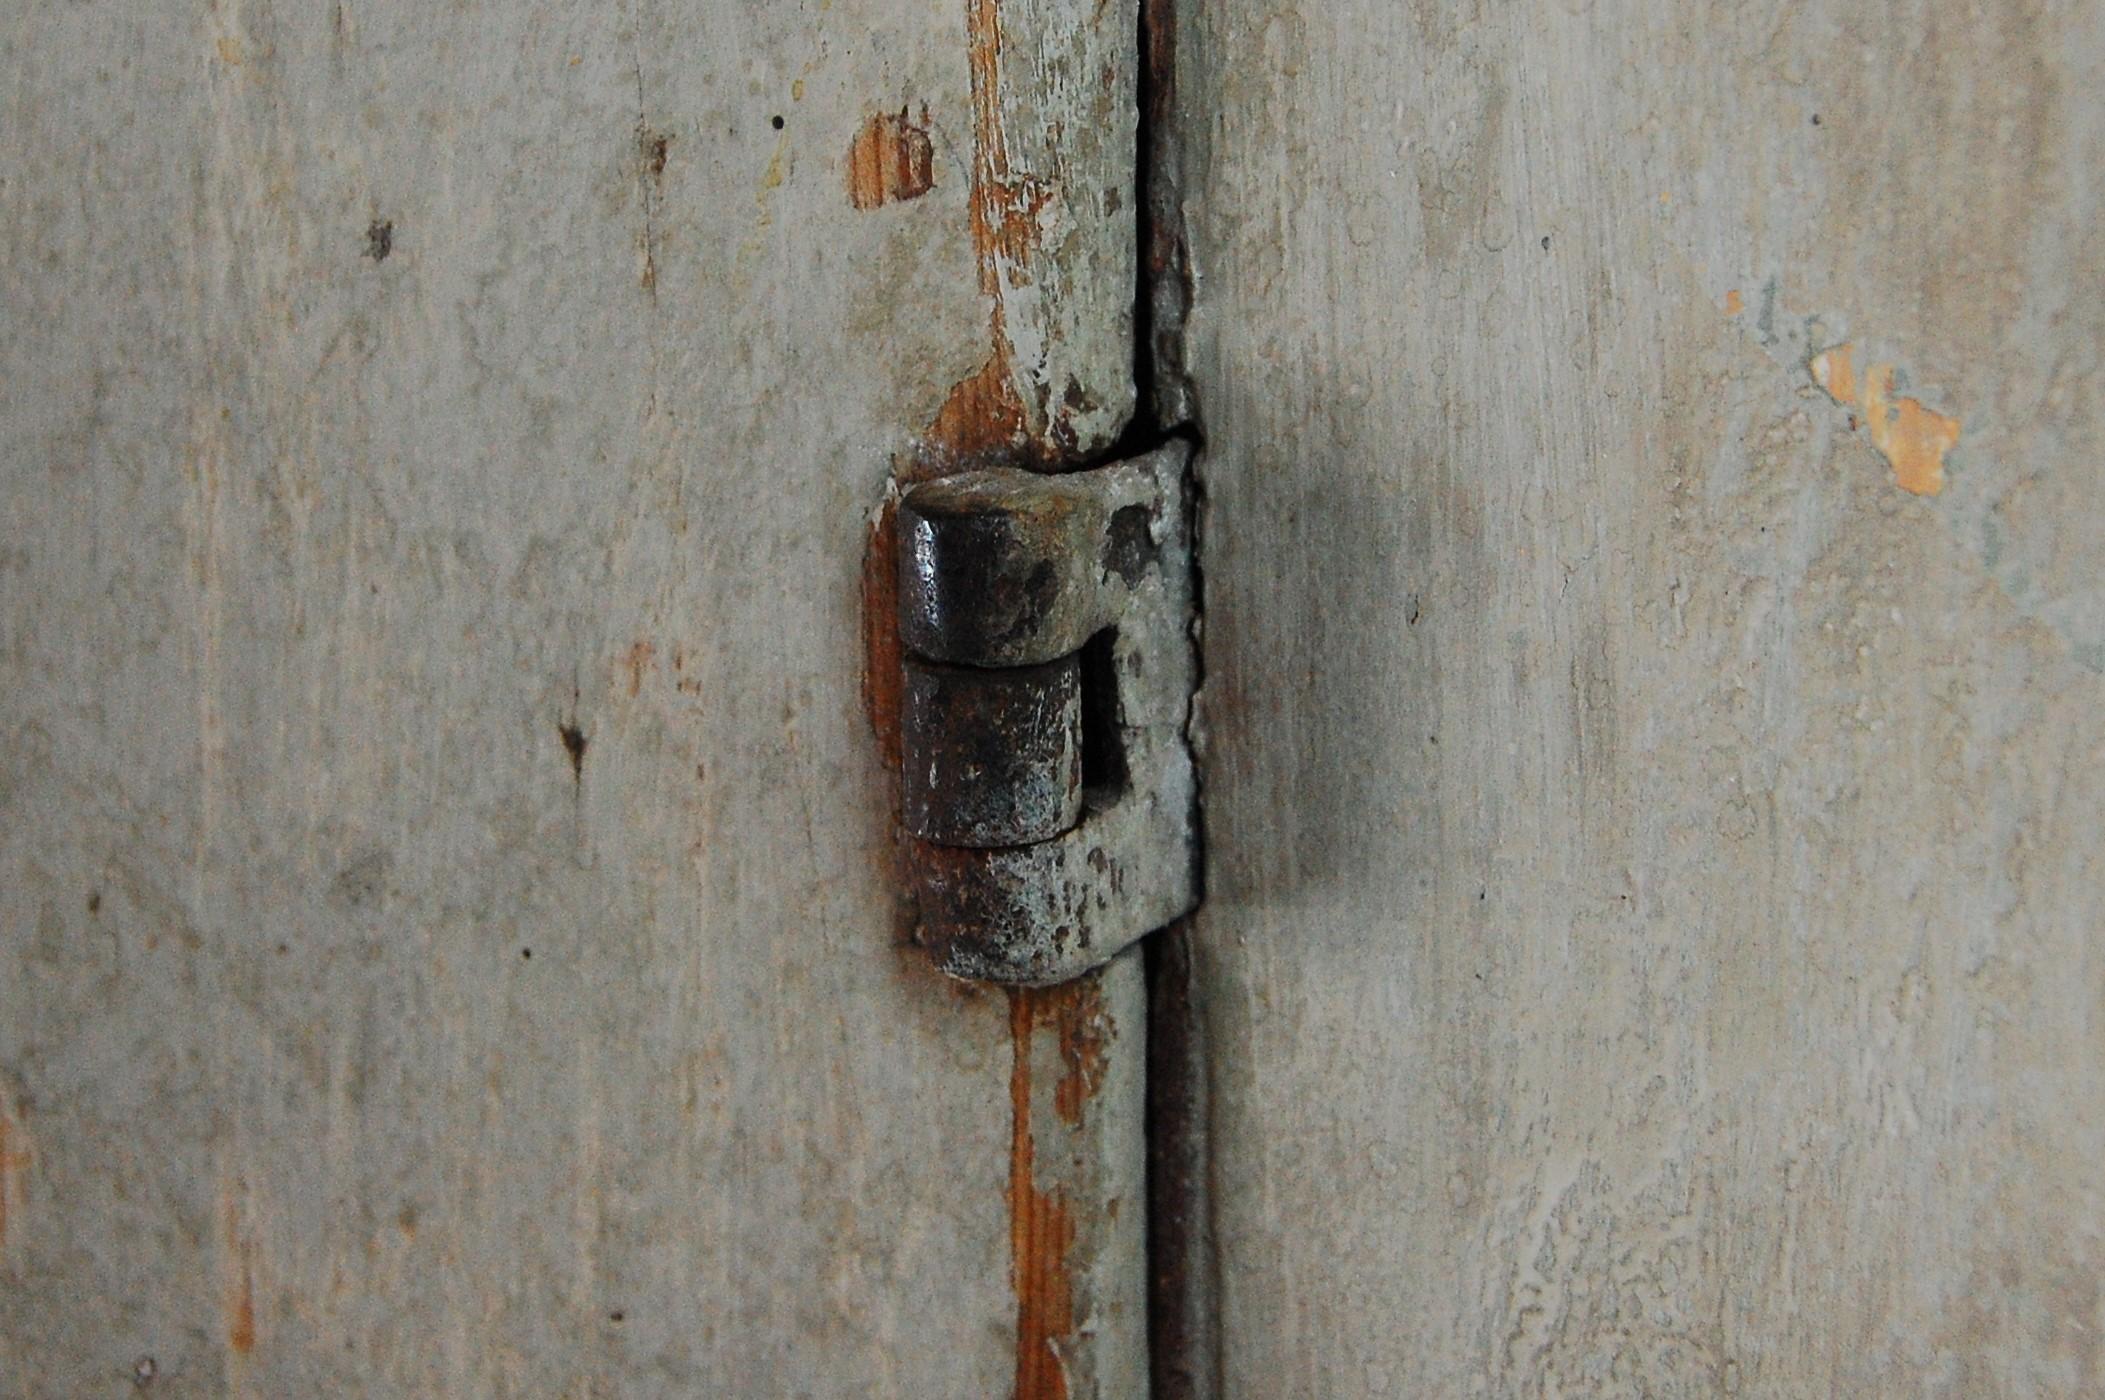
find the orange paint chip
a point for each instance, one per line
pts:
(1833, 372)
(1910, 435)
(1734, 302)
(890, 160)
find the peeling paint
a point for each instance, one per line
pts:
(985, 415)
(1910, 435)
(1734, 302)
(890, 160)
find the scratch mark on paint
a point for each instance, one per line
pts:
(1910, 435)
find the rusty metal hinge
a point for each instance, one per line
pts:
(1047, 779)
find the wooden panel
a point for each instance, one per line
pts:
(448, 939)
(1655, 879)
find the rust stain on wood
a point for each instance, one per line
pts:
(981, 420)
(241, 1272)
(14, 1162)
(1085, 1041)
(638, 662)
(1041, 1229)
(241, 1326)
(237, 1265)
(890, 160)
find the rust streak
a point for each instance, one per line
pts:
(241, 1327)
(8, 1163)
(240, 1277)
(16, 1157)
(638, 662)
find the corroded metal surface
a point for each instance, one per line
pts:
(992, 758)
(1108, 549)
(1008, 568)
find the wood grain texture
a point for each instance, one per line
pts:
(1652, 935)
(448, 939)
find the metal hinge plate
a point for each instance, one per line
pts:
(1050, 663)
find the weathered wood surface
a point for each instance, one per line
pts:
(1655, 900)
(448, 934)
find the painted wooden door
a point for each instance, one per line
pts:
(1651, 722)
(449, 943)
(1654, 651)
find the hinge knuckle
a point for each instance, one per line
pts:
(1046, 778)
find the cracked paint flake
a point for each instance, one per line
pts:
(1910, 435)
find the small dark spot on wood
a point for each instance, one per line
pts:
(283, 949)
(1852, 422)
(1480, 894)
(1410, 617)
(1816, 119)
(1545, 243)
(379, 239)
(775, 122)
(95, 901)
(574, 740)
(617, 1316)
(527, 954)
(144, 1370)
(701, 773)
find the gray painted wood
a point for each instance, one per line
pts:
(1655, 875)
(448, 939)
